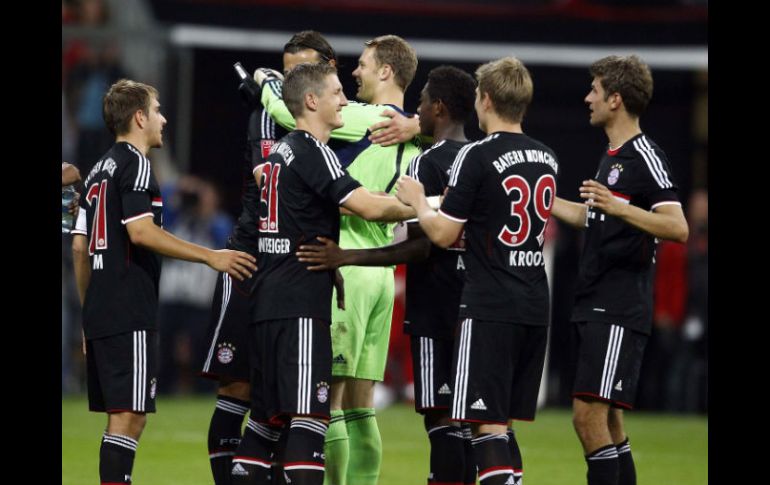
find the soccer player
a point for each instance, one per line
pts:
(227, 356)
(360, 333)
(116, 246)
(630, 202)
(501, 191)
(304, 185)
(434, 275)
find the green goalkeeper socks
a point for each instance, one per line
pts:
(365, 447)
(336, 450)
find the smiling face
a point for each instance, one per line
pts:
(367, 75)
(331, 99)
(425, 110)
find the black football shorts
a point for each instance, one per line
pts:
(609, 358)
(292, 369)
(432, 370)
(122, 372)
(497, 368)
(227, 351)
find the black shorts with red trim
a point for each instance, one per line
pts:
(227, 352)
(432, 369)
(122, 372)
(609, 359)
(497, 368)
(291, 369)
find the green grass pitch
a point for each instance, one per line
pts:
(668, 449)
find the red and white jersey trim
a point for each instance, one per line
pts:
(666, 202)
(626, 199)
(140, 216)
(461, 221)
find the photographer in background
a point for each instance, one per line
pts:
(192, 212)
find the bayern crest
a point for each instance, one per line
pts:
(225, 353)
(322, 392)
(614, 175)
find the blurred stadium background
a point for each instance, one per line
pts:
(187, 48)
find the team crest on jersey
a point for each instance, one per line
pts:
(266, 146)
(322, 392)
(614, 175)
(225, 352)
(153, 387)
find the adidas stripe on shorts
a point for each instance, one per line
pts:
(122, 372)
(609, 358)
(432, 370)
(496, 371)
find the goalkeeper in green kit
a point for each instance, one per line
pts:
(360, 332)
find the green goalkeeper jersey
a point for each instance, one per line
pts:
(377, 168)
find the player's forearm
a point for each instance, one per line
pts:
(81, 265)
(391, 210)
(409, 251)
(573, 213)
(433, 225)
(275, 106)
(164, 243)
(669, 226)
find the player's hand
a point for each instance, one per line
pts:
(324, 257)
(75, 205)
(237, 264)
(69, 174)
(339, 285)
(598, 196)
(409, 190)
(264, 73)
(82, 341)
(397, 129)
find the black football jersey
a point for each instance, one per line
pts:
(303, 186)
(615, 278)
(433, 286)
(122, 295)
(262, 134)
(502, 188)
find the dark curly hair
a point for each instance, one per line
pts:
(455, 88)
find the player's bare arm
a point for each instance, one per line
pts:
(143, 232)
(441, 231)
(396, 129)
(572, 213)
(377, 207)
(69, 174)
(329, 255)
(664, 222)
(82, 265)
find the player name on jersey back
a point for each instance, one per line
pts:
(274, 246)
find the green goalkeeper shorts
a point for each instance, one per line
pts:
(361, 332)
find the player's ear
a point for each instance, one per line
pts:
(439, 108)
(386, 72)
(311, 101)
(140, 118)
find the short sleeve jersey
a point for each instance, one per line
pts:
(502, 188)
(615, 276)
(122, 294)
(376, 167)
(304, 186)
(433, 286)
(262, 134)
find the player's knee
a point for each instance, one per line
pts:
(235, 389)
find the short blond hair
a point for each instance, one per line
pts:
(398, 54)
(509, 86)
(123, 99)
